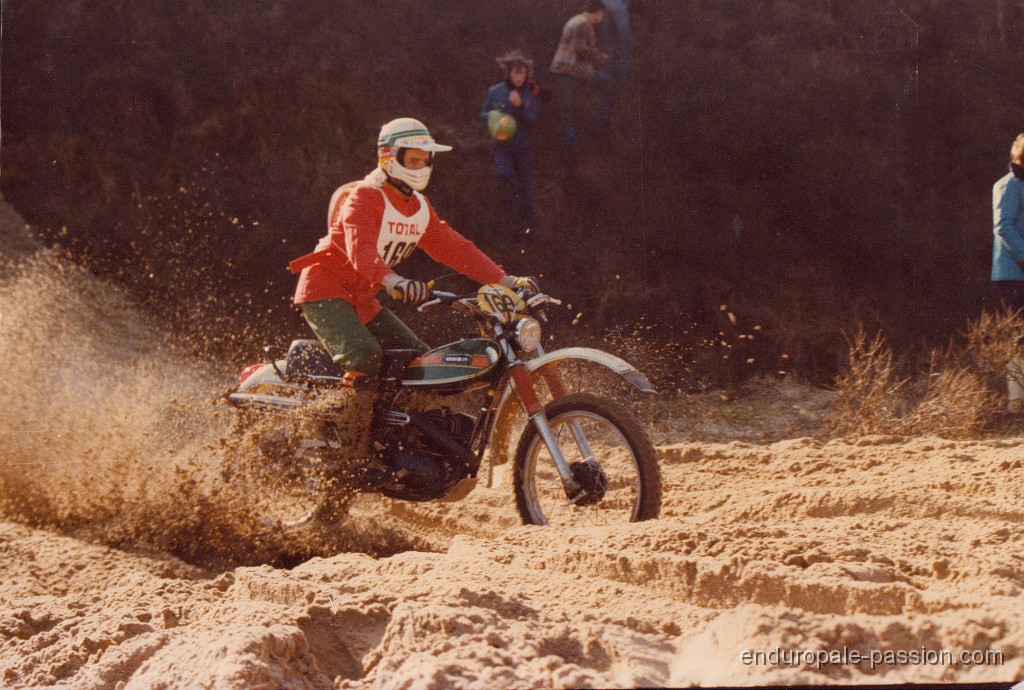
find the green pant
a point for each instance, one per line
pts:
(354, 346)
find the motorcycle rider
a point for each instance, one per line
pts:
(372, 226)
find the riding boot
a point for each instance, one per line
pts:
(353, 419)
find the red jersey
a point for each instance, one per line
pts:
(373, 229)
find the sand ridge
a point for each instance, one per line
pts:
(128, 563)
(899, 565)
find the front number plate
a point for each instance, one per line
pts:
(500, 301)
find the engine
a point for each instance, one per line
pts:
(431, 456)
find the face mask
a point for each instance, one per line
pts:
(417, 179)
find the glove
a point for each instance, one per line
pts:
(405, 290)
(516, 283)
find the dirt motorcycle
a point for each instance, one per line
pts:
(582, 458)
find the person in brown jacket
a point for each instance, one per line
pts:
(578, 64)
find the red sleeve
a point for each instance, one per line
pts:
(445, 245)
(360, 227)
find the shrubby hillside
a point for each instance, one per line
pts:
(810, 166)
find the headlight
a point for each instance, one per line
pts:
(528, 334)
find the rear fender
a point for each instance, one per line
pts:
(509, 407)
(264, 376)
(264, 390)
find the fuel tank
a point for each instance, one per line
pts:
(454, 365)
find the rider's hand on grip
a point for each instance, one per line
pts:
(410, 291)
(516, 283)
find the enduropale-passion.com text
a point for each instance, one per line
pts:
(873, 657)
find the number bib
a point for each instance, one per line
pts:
(399, 234)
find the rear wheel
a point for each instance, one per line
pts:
(609, 454)
(285, 473)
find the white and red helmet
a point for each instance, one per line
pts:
(406, 133)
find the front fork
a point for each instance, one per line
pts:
(557, 388)
(535, 412)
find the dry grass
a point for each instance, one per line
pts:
(954, 403)
(871, 393)
(992, 342)
(962, 393)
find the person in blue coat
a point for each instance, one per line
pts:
(516, 95)
(1008, 230)
(1008, 257)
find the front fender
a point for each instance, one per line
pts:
(589, 354)
(509, 406)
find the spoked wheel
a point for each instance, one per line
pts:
(608, 453)
(284, 473)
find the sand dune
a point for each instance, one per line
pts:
(795, 545)
(127, 564)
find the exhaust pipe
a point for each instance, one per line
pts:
(266, 402)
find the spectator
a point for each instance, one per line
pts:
(613, 36)
(517, 96)
(613, 39)
(1008, 254)
(1008, 229)
(578, 64)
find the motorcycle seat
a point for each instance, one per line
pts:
(308, 358)
(394, 362)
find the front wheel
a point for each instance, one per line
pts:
(609, 454)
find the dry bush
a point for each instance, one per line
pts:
(992, 342)
(961, 394)
(955, 402)
(872, 395)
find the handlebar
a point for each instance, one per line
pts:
(533, 301)
(441, 297)
(539, 299)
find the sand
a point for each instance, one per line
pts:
(127, 563)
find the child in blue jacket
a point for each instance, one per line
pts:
(516, 95)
